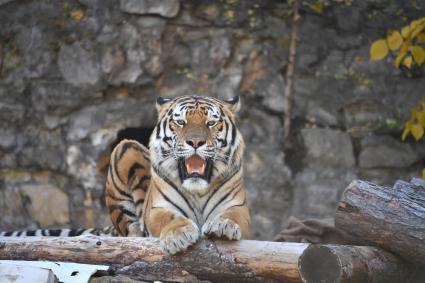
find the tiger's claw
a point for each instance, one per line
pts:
(177, 240)
(222, 228)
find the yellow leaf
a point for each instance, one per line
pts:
(77, 15)
(394, 40)
(402, 54)
(317, 7)
(420, 116)
(417, 131)
(408, 62)
(418, 27)
(407, 129)
(405, 31)
(405, 46)
(421, 37)
(398, 60)
(378, 50)
(423, 173)
(418, 54)
(414, 24)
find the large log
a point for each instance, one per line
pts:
(351, 264)
(217, 261)
(392, 218)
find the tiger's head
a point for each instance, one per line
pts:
(196, 141)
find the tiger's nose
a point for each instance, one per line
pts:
(195, 143)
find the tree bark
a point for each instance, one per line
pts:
(392, 218)
(351, 264)
(289, 78)
(141, 258)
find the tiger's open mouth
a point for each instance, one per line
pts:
(195, 167)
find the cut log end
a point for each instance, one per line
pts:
(351, 264)
(319, 264)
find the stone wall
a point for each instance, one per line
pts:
(75, 76)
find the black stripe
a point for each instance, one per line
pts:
(219, 187)
(95, 231)
(141, 181)
(130, 144)
(115, 167)
(233, 132)
(43, 233)
(128, 213)
(158, 129)
(173, 186)
(170, 201)
(79, 232)
(8, 234)
(122, 209)
(115, 198)
(31, 233)
(219, 202)
(164, 126)
(225, 136)
(19, 233)
(133, 169)
(139, 201)
(116, 186)
(145, 229)
(76, 232)
(55, 232)
(236, 205)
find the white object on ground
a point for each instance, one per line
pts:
(10, 273)
(66, 272)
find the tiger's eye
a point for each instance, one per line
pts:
(180, 122)
(211, 123)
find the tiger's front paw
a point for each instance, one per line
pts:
(222, 228)
(179, 236)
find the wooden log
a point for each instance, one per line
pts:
(141, 258)
(392, 218)
(351, 264)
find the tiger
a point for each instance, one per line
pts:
(189, 183)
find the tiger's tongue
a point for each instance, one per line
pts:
(195, 164)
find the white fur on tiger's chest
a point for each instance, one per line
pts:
(200, 208)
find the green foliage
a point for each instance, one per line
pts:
(406, 44)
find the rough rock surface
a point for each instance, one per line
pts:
(78, 66)
(76, 76)
(329, 147)
(165, 8)
(387, 152)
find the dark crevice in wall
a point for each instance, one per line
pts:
(140, 134)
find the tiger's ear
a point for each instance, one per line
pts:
(234, 104)
(160, 101)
